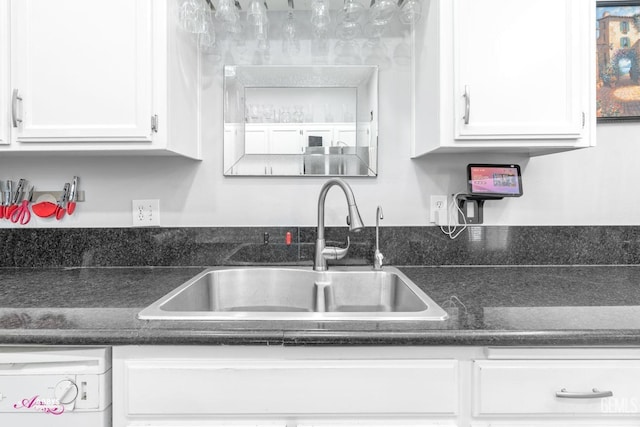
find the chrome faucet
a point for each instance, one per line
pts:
(378, 257)
(323, 253)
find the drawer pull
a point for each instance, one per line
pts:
(594, 394)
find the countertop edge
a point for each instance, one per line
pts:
(607, 337)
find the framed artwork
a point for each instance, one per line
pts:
(618, 60)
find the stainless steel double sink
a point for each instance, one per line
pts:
(296, 293)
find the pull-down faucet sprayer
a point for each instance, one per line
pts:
(323, 253)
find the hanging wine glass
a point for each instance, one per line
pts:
(410, 12)
(352, 11)
(261, 34)
(256, 13)
(191, 16)
(290, 41)
(376, 29)
(348, 30)
(320, 16)
(227, 11)
(207, 39)
(382, 11)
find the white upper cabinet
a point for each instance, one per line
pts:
(518, 62)
(82, 69)
(99, 76)
(504, 76)
(5, 94)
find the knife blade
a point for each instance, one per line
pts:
(15, 197)
(1, 200)
(7, 197)
(73, 196)
(62, 203)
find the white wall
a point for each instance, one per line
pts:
(589, 187)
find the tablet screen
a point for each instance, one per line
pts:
(494, 180)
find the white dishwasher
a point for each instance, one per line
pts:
(55, 386)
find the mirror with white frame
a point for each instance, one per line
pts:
(290, 120)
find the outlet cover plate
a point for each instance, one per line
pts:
(438, 204)
(146, 213)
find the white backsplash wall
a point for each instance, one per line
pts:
(589, 187)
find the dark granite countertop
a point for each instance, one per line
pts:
(492, 305)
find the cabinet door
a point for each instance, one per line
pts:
(256, 140)
(555, 387)
(5, 95)
(325, 132)
(285, 140)
(518, 68)
(346, 135)
(258, 387)
(82, 69)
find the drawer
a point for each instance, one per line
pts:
(259, 387)
(556, 387)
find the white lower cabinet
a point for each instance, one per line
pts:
(279, 138)
(295, 386)
(376, 386)
(550, 387)
(553, 387)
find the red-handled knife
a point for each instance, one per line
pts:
(3, 197)
(15, 197)
(61, 209)
(8, 194)
(73, 196)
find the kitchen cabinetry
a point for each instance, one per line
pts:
(277, 138)
(553, 387)
(114, 77)
(4, 73)
(256, 140)
(272, 139)
(299, 385)
(325, 132)
(285, 141)
(504, 76)
(550, 386)
(347, 135)
(375, 386)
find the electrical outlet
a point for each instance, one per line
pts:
(438, 210)
(146, 213)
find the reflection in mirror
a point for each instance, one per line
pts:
(300, 120)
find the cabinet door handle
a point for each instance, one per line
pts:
(14, 108)
(467, 104)
(594, 394)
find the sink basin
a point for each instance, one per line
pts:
(292, 293)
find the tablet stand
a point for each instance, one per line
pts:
(471, 207)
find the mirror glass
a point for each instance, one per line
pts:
(300, 120)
